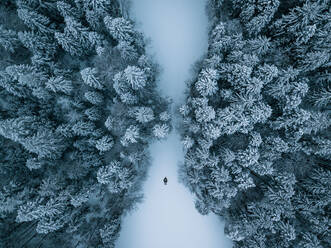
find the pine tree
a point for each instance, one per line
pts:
(35, 21)
(207, 82)
(90, 78)
(110, 232)
(261, 45)
(256, 15)
(143, 114)
(45, 144)
(18, 129)
(120, 28)
(93, 113)
(7, 83)
(47, 225)
(8, 39)
(187, 142)
(77, 39)
(83, 128)
(310, 240)
(322, 98)
(69, 44)
(313, 60)
(205, 113)
(127, 51)
(105, 143)
(161, 131)
(66, 10)
(37, 43)
(135, 77)
(115, 176)
(131, 135)
(94, 97)
(60, 84)
(79, 199)
(165, 116)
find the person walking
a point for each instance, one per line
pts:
(165, 180)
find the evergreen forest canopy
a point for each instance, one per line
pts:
(256, 123)
(78, 108)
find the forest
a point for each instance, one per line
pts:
(256, 123)
(78, 108)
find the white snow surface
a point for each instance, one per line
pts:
(167, 217)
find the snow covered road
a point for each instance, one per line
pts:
(167, 217)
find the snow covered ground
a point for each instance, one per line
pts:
(167, 217)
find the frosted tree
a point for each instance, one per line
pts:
(143, 114)
(35, 21)
(94, 97)
(207, 82)
(131, 135)
(321, 98)
(80, 198)
(165, 116)
(27, 212)
(59, 84)
(69, 44)
(161, 131)
(244, 181)
(256, 15)
(120, 85)
(110, 232)
(289, 92)
(8, 39)
(310, 240)
(235, 231)
(18, 129)
(45, 144)
(205, 113)
(202, 207)
(135, 77)
(46, 215)
(313, 60)
(321, 146)
(47, 225)
(77, 39)
(120, 28)
(34, 163)
(16, 71)
(6, 82)
(260, 45)
(105, 143)
(38, 43)
(116, 176)
(109, 123)
(93, 113)
(127, 51)
(267, 73)
(83, 128)
(90, 77)
(187, 142)
(66, 10)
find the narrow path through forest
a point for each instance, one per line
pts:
(167, 217)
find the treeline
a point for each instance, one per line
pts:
(78, 108)
(256, 123)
